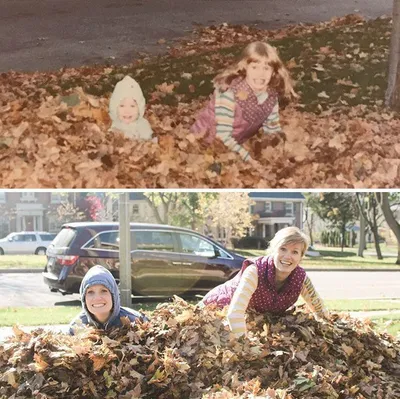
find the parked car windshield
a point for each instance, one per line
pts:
(64, 237)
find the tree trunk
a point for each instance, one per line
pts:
(310, 223)
(377, 246)
(155, 210)
(361, 244)
(310, 229)
(383, 199)
(343, 234)
(392, 95)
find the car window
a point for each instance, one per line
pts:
(18, 238)
(195, 245)
(47, 237)
(29, 237)
(154, 241)
(105, 240)
(64, 237)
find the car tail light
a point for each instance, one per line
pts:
(67, 260)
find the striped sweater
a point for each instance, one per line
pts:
(246, 288)
(225, 115)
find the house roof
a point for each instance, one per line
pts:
(276, 195)
(258, 194)
(136, 196)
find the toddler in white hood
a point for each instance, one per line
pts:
(127, 105)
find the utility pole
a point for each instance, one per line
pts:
(125, 250)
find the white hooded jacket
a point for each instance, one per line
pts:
(138, 129)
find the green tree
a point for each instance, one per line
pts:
(338, 210)
(387, 203)
(162, 205)
(178, 208)
(188, 211)
(369, 210)
(309, 216)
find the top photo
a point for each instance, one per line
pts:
(209, 94)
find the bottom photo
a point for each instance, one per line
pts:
(199, 294)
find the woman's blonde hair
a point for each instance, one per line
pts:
(289, 235)
(254, 52)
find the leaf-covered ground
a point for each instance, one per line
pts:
(187, 352)
(54, 126)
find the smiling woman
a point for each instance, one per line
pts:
(269, 283)
(101, 302)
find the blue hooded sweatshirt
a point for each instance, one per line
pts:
(100, 275)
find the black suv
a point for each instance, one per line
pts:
(166, 260)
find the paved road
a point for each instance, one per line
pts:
(28, 290)
(49, 34)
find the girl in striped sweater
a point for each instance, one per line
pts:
(270, 283)
(246, 99)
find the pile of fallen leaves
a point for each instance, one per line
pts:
(187, 352)
(54, 131)
(69, 146)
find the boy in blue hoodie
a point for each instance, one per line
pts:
(100, 302)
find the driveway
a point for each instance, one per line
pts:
(49, 34)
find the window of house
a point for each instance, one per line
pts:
(56, 198)
(267, 206)
(289, 208)
(2, 197)
(54, 224)
(28, 196)
(135, 209)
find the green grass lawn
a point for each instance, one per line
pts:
(348, 62)
(22, 261)
(37, 316)
(389, 323)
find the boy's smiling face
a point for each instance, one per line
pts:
(258, 75)
(128, 110)
(99, 302)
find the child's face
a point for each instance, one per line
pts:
(99, 302)
(287, 257)
(128, 110)
(258, 75)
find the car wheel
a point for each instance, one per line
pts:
(41, 251)
(1, 251)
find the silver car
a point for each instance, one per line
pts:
(26, 242)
